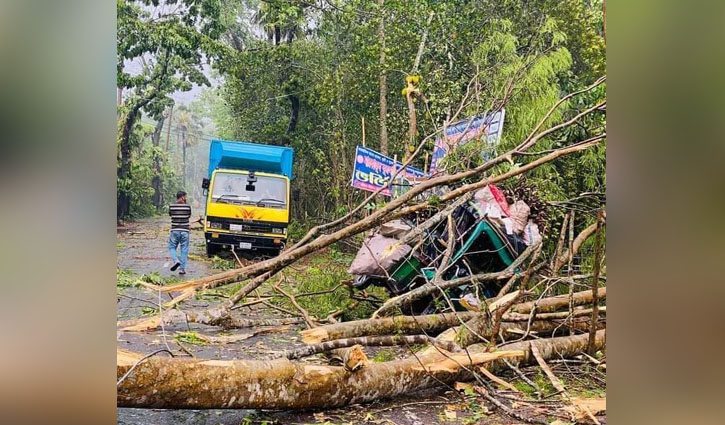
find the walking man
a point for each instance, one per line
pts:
(180, 213)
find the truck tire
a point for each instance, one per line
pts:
(211, 249)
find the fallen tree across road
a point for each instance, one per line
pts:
(552, 304)
(435, 323)
(282, 384)
(429, 324)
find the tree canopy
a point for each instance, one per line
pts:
(306, 74)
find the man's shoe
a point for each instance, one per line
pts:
(182, 271)
(175, 266)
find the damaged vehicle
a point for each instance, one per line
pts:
(489, 234)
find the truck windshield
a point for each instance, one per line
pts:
(232, 188)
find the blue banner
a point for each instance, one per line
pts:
(372, 170)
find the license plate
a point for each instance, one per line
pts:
(235, 227)
(245, 245)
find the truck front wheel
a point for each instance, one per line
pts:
(211, 249)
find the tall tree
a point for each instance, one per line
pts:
(168, 40)
(283, 22)
(189, 128)
(383, 80)
(157, 199)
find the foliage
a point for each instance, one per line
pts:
(161, 46)
(169, 44)
(137, 183)
(126, 279)
(384, 355)
(296, 231)
(478, 411)
(153, 277)
(149, 311)
(220, 263)
(189, 338)
(324, 272)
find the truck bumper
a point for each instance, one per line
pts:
(226, 240)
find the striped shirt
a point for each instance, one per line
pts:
(180, 214)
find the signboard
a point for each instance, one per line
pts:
(373, 170)
(488, 126)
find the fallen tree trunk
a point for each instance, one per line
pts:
(435, 323)
(549, 327)
(176, 317)
(464, 336)
(281, 384)
(431, 323)
(230, 339)
(552, 304)
(519, 317)
(487, 323)
(368, 341)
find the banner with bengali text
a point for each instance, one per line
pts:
(372, 170)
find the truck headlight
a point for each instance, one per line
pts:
(215, 225)
(279, 230)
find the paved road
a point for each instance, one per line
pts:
(143, 248)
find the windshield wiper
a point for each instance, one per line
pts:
(262, 201)
(220, 198)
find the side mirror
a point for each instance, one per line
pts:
(205, 183)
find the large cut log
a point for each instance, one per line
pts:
(548, 305)
(428, 324)
(282, 384)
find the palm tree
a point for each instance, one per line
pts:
(279, 24)
(189, 128)
(283, 22)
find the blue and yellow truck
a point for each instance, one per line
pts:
(247, 197)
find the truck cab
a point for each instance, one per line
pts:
(247, 197)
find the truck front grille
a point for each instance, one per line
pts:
(246, 226)
(256, 227)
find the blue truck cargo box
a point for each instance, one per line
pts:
(250, 156)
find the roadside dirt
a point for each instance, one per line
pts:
(142, 249)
